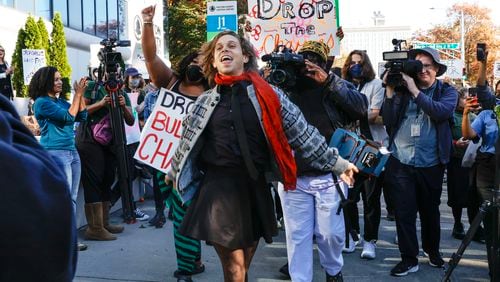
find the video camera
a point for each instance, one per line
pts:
(108, 57)
(398, 61)
(285, 66)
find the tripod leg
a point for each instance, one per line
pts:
(456, 257)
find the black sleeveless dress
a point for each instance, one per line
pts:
(230, 208)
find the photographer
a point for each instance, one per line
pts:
(486, 127)
(99, 161)
(417, 121)
(327, 102)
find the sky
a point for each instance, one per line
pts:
(358, 13)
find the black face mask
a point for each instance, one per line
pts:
(194, 73)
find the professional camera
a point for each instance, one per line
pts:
(398, 61)
(285, 66)
(109, 58)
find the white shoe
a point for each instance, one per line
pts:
(368, 249)
(352, 246)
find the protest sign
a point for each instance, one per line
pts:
(291, 23)
(162, 131)
(133, 132)
(33, 59)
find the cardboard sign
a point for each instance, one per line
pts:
(221, 15)
(133, 132)
(291, 23)
(160, 136)
(33, 59)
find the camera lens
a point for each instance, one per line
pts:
(278, 77)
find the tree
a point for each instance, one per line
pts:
(478, 27)
(44, 34)
(17, 63)
(57, 53)
(189, 31)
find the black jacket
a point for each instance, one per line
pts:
(38, 238)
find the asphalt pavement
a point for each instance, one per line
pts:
(145, 253)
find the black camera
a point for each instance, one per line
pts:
(285, 66)
(398, 61)
(108, 57)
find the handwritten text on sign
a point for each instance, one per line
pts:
(33, 59)
(162, 131)
(291, 23)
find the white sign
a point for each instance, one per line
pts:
(291, 23)
(160, 136)
(496, 69)
(133, 132)
(33, 59)
(455, 68)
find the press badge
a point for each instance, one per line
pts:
(415, 129)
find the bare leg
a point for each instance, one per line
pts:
(249, 252)
(233, 263)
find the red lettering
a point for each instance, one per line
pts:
(159, 119)
(141, 156)
(165, 162)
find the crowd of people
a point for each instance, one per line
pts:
(245, 138)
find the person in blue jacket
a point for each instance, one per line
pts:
(57, 118)
(39, 242)
(417, 120)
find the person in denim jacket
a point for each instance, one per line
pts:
(236, 134)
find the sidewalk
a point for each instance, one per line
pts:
(144, 253)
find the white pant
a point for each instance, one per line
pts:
(311, 209)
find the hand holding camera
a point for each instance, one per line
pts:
(481, 52)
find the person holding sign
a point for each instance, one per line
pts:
(237, 136)
(189, 82)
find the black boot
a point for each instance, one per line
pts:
(158, 220)
(458, 231)
(336, 278)
(284, 270)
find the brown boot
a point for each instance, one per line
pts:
(113, 228)
(95, 229)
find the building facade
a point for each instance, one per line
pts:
(87, 22)
(374, 40)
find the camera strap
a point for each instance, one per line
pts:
(343, 203)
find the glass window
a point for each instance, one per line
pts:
(75, 14)
(101, 24)
(9, 3)
(113, 18)
(89, 17)
(42, 9)
(121, 19)
(61, 6)
(27, 6)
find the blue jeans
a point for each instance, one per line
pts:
(69, 162)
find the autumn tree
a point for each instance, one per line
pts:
(478, 27)
(187, 28)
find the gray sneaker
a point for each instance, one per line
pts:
(369, 249)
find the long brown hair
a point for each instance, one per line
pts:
(368, 73)
(208, 49)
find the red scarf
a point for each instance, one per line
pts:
(273, 127)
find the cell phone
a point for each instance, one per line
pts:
(472, 92)
(480, 51)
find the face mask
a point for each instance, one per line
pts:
(194, 73)
(356, 70)
(134, 83)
